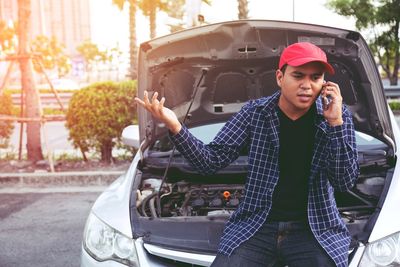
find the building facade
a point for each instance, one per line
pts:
(67, 20)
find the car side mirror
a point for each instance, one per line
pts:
(130, 136)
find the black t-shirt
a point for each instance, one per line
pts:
(296, 143)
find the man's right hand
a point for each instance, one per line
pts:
(161, 113)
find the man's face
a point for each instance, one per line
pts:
(300, 87)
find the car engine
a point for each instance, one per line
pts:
(187, 199)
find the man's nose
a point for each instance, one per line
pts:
(306, 84)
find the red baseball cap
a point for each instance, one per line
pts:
(299, 54)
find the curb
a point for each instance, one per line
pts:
(58, 179)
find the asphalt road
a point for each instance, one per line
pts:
(43, 230)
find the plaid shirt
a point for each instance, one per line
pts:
(256, 125)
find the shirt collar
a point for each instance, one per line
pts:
(269, 104)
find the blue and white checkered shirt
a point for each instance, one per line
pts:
(256, 125)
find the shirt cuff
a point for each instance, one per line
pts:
(181, 137)
(337, 134)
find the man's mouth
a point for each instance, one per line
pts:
(304, 97)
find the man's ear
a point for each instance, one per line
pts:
(279, 77)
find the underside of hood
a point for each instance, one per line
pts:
(229, 63)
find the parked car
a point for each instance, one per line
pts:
(163, 213)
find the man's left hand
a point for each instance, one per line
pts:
(333, 109)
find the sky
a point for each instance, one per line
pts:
(110, 25)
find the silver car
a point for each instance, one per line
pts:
(163, 213)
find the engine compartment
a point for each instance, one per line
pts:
(196, 195)
(189, 199)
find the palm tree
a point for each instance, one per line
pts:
(32, 99)
(243, 9)
(177, 8)
(132, 34)
(149, 9)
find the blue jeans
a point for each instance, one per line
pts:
(278, 244)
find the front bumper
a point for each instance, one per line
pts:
(153, 256)
(88, 261)
(159, 255)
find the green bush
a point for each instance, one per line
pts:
(395, 105)
(6, 127)
(97, 114)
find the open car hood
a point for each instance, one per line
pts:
(230, 63)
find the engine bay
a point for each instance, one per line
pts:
(188, 199)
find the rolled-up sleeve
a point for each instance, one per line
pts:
(343, 165)
(225, 148)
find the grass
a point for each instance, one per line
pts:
(8, 155)
(68, 157)
(121, 154)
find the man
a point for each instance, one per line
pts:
(301, 148)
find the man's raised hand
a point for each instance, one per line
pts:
(159, 112)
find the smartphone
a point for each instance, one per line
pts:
(325, 99)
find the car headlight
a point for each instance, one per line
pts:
(384, 252)
(103, 242)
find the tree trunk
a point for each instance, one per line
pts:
(243, 9)
(153, 18)
(32, 99)
(106, 152)
(394, 78)
(132, 39)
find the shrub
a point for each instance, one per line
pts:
(394, 105)
(6, 127)
(97, 114)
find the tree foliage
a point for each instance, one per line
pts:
(91, 53)
(51, 54)
(383, 18)
(97, 114)
(6, 127)
(92, 56)
(150, 9)
(7, 37)
(50, 50)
